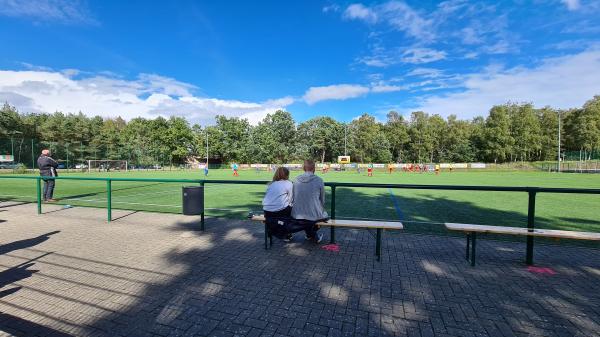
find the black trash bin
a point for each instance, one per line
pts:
(193, 200)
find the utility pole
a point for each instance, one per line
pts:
(345, 139)
(206, 147)
(558, 163)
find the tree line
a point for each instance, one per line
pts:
(510, 132)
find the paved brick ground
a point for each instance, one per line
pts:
(68, 272)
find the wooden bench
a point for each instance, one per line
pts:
(472, 230)
(333, 223)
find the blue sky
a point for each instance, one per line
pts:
(341, 59)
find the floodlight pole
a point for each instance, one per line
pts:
(207, 147)
(558, 163)
(345, 139)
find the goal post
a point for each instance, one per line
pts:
(106, 165)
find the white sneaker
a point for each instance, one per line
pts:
(319, 238)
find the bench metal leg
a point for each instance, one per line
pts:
(332, 234)
(529, 256)
(474, 237)
(378, 244)
(468, 246)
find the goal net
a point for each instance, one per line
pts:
(106, 165)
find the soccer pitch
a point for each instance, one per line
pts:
(420, 210)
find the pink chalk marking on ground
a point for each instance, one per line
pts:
(332, 247)
(541, 270)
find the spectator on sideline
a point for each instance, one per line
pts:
(309, 201)
(277, 203)
(48, 167)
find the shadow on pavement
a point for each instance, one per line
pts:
(227, 284)
(27, 243)
(20, 327)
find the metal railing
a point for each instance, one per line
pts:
(531, 191)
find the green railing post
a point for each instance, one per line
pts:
(530, 227)
(39, 194)
(202, 215)
(109, 199)
(332, 215)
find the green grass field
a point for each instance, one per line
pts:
(421, 210)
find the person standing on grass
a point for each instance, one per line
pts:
(235, 170)
(309, 201)
(370, 170)
(48, 167)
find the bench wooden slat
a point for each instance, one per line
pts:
(350, 223)
(552, 233)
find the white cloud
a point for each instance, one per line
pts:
(360, 12)
(471, 36)
(334, 92)
(396, 14)
(422, 55)
(379, 61)
(66, 12)
(346, 91)
(561, 82)
(404, 18)
(446, 30)
(382, 58)
(386, 88)
(572, 5)
(331, 8)
(147, 96)
(425, 72)
(470, 55)
(500, 47)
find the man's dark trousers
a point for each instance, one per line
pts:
(48, 188)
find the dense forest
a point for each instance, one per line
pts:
(510, 132)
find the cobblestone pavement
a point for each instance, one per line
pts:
(68, 272)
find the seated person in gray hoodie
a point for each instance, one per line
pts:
(309, 201)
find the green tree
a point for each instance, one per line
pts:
(275, 137)
(179, 138)
(10, 120)
(525, 131)
(322, 137)
(549, 133)
(396, 131)
(458, 139)
(233, 138)
(498, 141)
(422, 139)
(369, 141)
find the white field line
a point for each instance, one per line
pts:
(158, 205)
(17, 196)
(148, 204)
(116, 196)
(153, 193)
